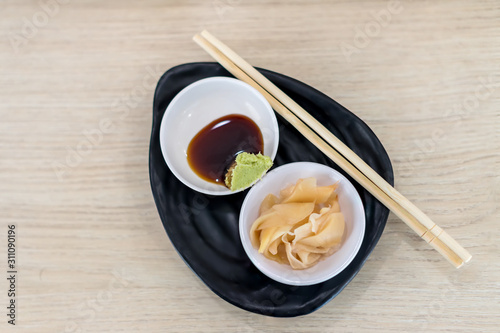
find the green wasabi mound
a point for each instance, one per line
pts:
(246, 170)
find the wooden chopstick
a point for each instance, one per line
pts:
(385, 193)
(432, 232)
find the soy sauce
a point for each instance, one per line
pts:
(212, 151)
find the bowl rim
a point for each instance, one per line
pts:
(256, 260)
(210, 80)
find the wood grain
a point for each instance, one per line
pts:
(92, 253)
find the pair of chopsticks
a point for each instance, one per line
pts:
(336, 150)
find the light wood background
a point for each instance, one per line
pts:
(92, 253)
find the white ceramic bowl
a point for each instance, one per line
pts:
(196, 106)
(350, 206)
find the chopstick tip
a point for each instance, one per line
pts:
(197, 37)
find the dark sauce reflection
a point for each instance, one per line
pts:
(214, 148)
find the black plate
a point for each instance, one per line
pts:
(204, 229)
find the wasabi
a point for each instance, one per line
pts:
(246, 170)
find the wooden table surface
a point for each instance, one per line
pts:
(76, 89)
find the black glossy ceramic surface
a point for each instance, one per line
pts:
(204, 229)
